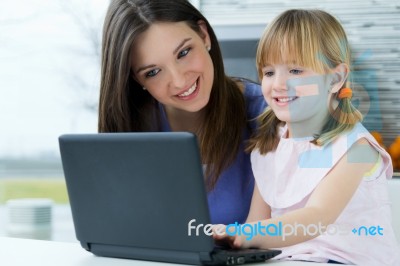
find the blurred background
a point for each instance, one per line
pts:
(49, 79)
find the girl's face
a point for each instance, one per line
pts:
(172, 62)
(296, 94)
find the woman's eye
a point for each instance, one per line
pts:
(152, 73)
(296, 71)
(183, 52)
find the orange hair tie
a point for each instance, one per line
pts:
(345, 93)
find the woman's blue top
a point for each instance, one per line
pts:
(229, 201)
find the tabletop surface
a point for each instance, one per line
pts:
(18, 252)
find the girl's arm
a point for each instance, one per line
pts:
(325, 204)
(259, 209)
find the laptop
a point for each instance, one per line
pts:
(134, 195)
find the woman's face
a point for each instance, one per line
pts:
(172, 62)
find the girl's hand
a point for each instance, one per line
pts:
(221, 238)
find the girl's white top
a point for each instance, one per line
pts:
(286, 178)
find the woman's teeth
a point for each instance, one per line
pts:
(285, 100)
(189, 91)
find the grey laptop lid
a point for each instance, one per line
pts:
(132, 195)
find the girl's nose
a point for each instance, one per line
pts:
(280, 83)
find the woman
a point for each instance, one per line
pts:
(162, 70)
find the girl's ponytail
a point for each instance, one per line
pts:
(343, 118)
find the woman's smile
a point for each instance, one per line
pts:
(190, 93)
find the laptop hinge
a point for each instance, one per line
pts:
(184, 257)
(205, 256)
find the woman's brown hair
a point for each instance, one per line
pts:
(125, 107)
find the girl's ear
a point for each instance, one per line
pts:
(204, 33)
(339, 74)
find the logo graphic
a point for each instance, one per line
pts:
(365, 99)
(282, 230)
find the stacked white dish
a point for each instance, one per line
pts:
(29, 218)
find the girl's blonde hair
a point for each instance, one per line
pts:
(313, 39)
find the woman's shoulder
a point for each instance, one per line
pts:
(253, 96)
(249, 87)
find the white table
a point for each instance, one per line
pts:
(23, 252)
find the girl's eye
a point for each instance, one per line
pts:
(152, 73)
(268, 73)
(296, 71)
(183, 52)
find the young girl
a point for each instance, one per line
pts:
(321, 178)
